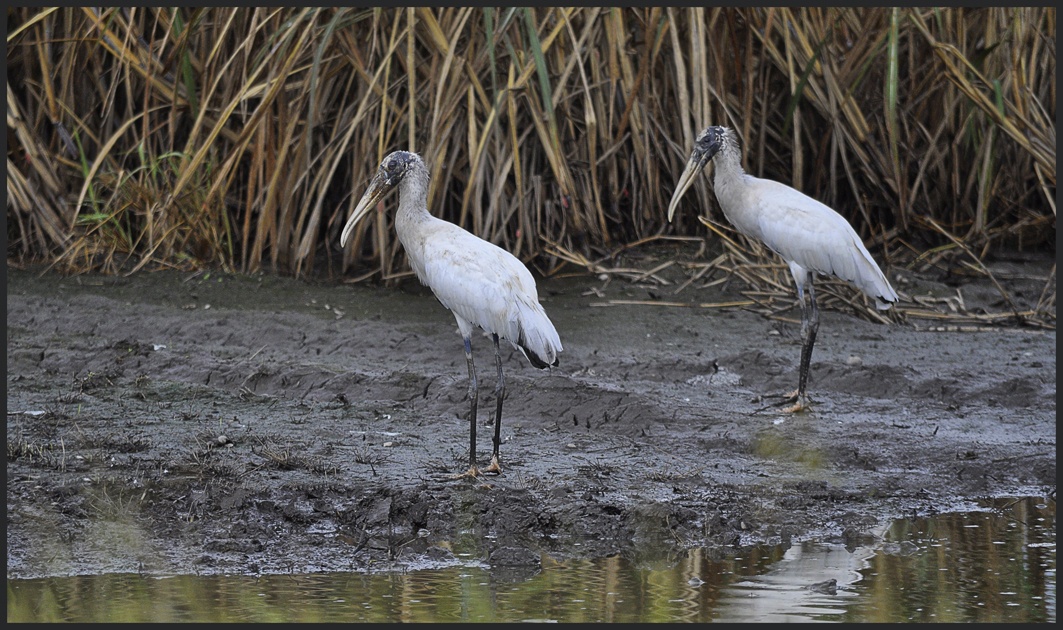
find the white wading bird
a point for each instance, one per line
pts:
(481, 283)
(809, 236)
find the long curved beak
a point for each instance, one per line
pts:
(698, 160)
(378, 188)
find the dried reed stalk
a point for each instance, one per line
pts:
(240, 138)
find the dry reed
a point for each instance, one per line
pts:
(240, 138)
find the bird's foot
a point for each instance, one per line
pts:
(800, 403)
(788, 397)
(495, 467)
(795, 402)
(472, 473)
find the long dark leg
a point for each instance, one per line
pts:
(473, 389)
(500, 393)
(809, 328)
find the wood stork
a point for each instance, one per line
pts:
(482, 284)
(809, 236)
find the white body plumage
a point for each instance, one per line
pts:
(482, 284)
(807, 234)
(811, 237)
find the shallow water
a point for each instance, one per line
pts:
(994, 565)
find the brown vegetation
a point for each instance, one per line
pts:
(240, 138)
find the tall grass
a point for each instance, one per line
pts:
(241, 138)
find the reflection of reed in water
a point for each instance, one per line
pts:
(975, 566)
(991, 565)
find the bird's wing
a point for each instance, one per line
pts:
(805, 231)
(475, 279)
(486, 286)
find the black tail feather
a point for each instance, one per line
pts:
(535, 360)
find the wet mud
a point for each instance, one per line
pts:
(208, 423)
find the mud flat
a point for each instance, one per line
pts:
(206, 423)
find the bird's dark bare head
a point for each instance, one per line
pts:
(709, 143)
(395, 168)
(397, 165)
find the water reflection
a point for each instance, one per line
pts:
(995, 565)
(998, 565)
(812, 581)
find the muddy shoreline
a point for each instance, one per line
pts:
(173, 423)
